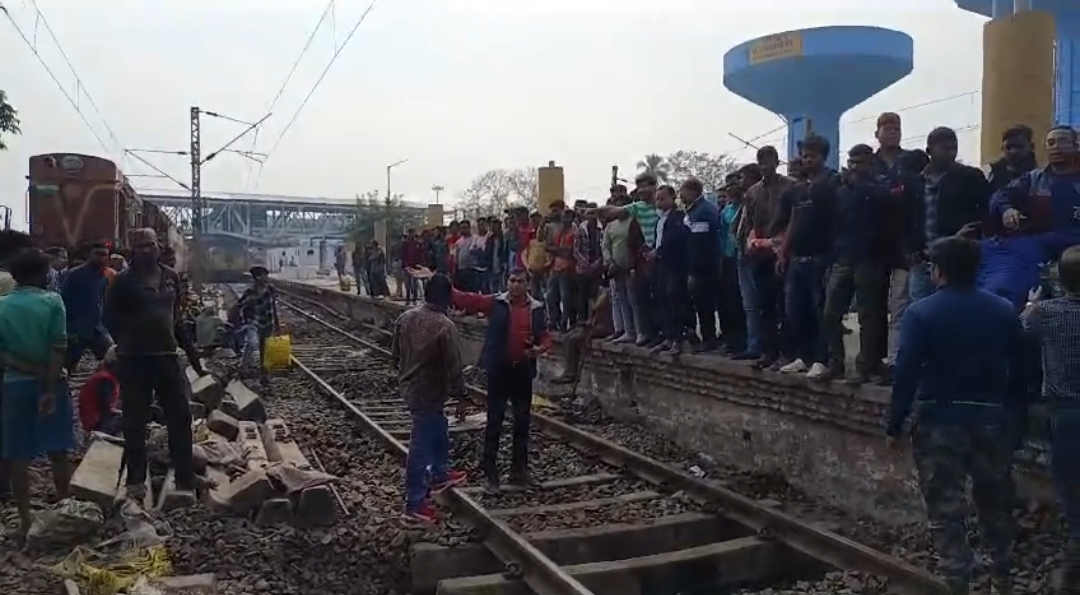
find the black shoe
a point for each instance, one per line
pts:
(745, 356)
(706, 347)
(661, 346)
(886, 376)
(523, 481)
(859, 379)
(765, 362)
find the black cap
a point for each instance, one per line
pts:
(258, 270)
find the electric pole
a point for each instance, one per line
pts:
(198, 261)
(198, 205)
(197, 161)
(388, 168)
(614, 175)
(437, 189)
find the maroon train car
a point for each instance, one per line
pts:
(76, 198)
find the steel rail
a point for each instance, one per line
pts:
(826, 546)
(542, 575)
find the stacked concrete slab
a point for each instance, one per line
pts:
(251, 462)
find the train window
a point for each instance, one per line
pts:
(310, 252)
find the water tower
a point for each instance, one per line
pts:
(810, 77)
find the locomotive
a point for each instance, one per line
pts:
(74, 199)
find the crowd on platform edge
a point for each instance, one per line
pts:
(945, 267)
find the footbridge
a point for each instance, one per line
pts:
(265, 219)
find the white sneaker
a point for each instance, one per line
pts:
(817, 371)
(796, 367)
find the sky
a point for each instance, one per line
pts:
(456, 87)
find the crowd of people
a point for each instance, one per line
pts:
(767, 271)
(943, 265)
(132, 311)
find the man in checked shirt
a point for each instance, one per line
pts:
(1056, 323)
(428, 357)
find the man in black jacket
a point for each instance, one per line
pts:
(954, 200)
(809, 210)
(1017, 157)
(859, 268)
(670, 259)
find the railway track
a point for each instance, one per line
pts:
(603, 519)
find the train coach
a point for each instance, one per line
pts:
(74, 199)
(228, 261)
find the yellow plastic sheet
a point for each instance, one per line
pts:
(99, 576)
(278, 353)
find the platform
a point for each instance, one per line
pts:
(826, 439)
(330, 282)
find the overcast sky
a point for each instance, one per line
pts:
(457, 87)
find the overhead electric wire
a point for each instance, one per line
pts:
(74, 103)
(318, 81)
(307, 45)
(78, 79)
(906, 108)
(918, 105)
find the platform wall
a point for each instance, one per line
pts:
(827, 440)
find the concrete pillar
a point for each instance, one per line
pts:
(433, 216)
(552, 186)
(1018, 79)
(380, 232)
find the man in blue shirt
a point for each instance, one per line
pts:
(83, 291)
(702, 219)
(959, 348)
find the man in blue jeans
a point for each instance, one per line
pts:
(428, 356)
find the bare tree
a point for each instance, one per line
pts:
(9, 120)
(707, 167)
(488, 194)
(525, 185)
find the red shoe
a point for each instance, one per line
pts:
(453, 478)
(425, 516)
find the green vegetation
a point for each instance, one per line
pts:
(9, 120)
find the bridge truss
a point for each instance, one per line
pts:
(262, 218)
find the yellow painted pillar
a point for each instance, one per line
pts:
(433, 216)
(1018, 79)
(551, 186)
(380, 232)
